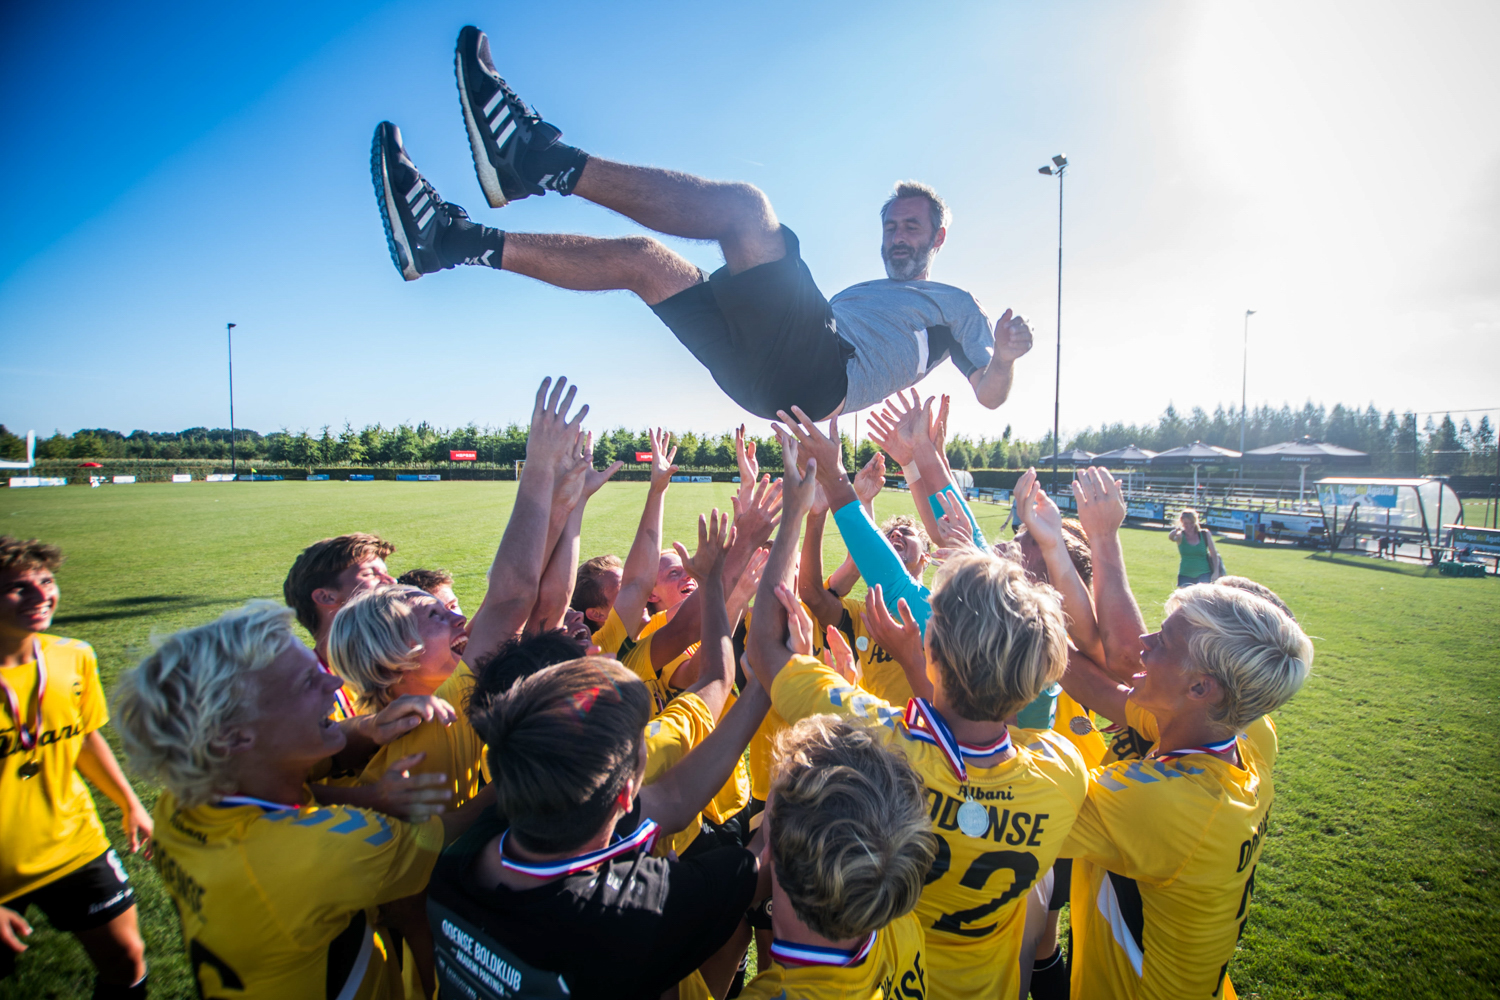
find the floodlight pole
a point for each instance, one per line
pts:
(233, 462)
(1244, 385)
(1060, 163)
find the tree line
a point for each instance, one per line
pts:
(1397, 444)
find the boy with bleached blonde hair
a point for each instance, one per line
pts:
(1001, 810)
(394, 641)
(849, 844)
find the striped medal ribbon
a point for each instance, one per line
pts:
(793, 955)
(924, 723)
(229, 801)
(644, 836)
(29, 740)
(339, 695)
(1216, 749)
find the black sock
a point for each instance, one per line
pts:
(465, 242)
(106, 991)
(1049, 978)
(555, 166)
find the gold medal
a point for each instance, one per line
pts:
(973, 819)
(30, 769)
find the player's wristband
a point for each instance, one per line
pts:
(912, 473)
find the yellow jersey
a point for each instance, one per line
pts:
(893, 970)
(47, 816)
(670, 734)
(880, 674)
(1164, 866)
(279, 904)
(1076, 724)
(611, 635)
(636, 656)
(454, 749)
(973, 907)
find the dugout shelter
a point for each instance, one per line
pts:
(1419, 512)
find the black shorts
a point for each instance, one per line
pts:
(90, 897)
(1062, 878)
(766, 335)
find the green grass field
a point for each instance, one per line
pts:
(1380, 878)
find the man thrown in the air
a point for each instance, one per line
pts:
(759, 323)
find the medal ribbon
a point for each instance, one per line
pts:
(644, 836)
(1218, 749)
(339, 695)
(925, 724)
(250, 800)
(29, 739)
(793, 955)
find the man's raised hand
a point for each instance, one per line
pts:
(756, 516)
(870, 480)
(715, 535)
(662, 455)
(593, 479)
(895, 427)
(552, 437)
(1101, 505)
(799, 480)
(412, 797)
(798, 622)
(902, 639)
(1012, 337)
(825, 450)
(744, 456)
(839, 657)
(1038, 511)
(955, 533)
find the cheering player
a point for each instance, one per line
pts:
(1165, 849)
(1001, 810)
(55, 852)
(276, 894)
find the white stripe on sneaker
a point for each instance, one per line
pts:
(501, 117)
(490, 106)
(500, 139)
(411, 195)
(427, 217)
(423, 203)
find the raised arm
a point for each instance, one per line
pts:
(1101, 510)
(714, 661)
(826, 608)
(992, 382)
(1088, 685)
(1044, 524)
(937, 477)
(868, 483)
(877, 561)
(766, 647)
(517, 567)
(896, 429)
(676, 798)
(639, 574)
(556, 588)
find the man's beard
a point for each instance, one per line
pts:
(907, 268)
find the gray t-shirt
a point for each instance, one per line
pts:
(902, 330)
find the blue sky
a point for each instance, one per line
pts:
(1334, 166)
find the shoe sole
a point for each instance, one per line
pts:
(395, 233)
(489, 178)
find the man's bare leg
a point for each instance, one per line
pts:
(638, 264)
(735, 214)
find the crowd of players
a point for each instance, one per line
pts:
(608, 779)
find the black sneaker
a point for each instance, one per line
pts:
(412, 211)
(502, 129)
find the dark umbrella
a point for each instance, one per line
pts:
(1128, 455)
(1305, 451)
(1195, 454)
(1073, 456)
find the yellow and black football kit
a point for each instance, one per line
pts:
(670, 734)
(636, 656)
(973, 908)
(611, 634)
(453, 749)
(880, 674)
(893, 970)
(47, 817)
(1076, 724)
(1164, 865)
(279, 903)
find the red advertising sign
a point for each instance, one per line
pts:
(643, 456)
(463, 456)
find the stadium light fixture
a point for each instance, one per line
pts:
(1060, 162)
(233, 462)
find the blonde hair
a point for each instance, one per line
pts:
(172, 710)
(374, 642)
(1255, 652)
(997, 638)
(850, 836)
